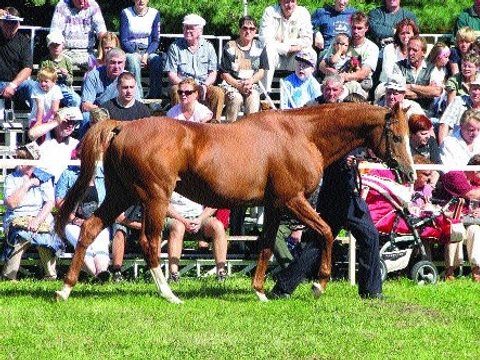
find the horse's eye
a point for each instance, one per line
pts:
(396, 139)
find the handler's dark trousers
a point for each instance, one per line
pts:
(340, 206)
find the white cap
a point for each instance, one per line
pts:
(55, 38)
(194, 19)
(475, 81)
(396, 82)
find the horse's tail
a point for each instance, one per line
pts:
(94, 144)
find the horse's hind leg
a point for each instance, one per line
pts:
(154, 217)
(304, 212)
(267, 239)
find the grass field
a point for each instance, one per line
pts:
(225, 321)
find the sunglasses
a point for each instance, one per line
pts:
(249, 28)
(71, 123)
(186, 92)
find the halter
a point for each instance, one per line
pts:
(389, 136)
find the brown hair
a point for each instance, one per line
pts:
(398, 29)
(421, 40)
(189, 81)
(107, 37)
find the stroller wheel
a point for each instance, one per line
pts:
(383, 270)
(424, 272)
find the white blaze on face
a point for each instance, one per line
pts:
(410, 156)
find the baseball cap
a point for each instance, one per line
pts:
(194, 19)
(396, 82)
(308, 56)
(55, 38)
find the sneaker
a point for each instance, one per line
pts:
(279, 295)
(102, 276)
(117, 277)
(221, 275)
(174, 277)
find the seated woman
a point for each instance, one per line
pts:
(29, 200)
(242, 67)
(97, 257)
(465, 184)
(140, 38)
(422, 141)
(189, 108)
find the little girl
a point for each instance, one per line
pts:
(439, 57)
(46, 96)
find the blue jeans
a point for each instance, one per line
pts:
(23, 93)
(155, 70)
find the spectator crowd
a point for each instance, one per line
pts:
(333, 55)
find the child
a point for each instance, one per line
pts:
(459, 84)
(63, 66)
(463, 45)
(439, 57)
(339, 60)
(46, 96)
(301, 86)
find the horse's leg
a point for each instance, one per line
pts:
(106, 214)
(154, 217)
(304, 212)
(90, 229)
(267, 239)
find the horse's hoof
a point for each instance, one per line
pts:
(61, 295)
(261, 296)
(172, 298)
(317, 290)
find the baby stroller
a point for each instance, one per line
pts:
(403, 235)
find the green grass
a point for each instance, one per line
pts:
(225, 321)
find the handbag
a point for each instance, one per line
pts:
(22, 222)
(457, 229)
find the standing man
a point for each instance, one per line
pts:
(16, 61)
(285, 28)
(194, 57)
(79, 21)
(418, 74)
(329, 21)
(125, 106)
(384, 19)
(341, 206)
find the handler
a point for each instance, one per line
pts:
(339, 203)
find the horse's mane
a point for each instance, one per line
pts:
(95, 142)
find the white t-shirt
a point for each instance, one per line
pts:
(185, 207)
(201, 112)
(55, 93)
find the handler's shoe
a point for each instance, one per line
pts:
(174, 277)
(378, 296)
(221, 276)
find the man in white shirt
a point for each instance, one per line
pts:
(285, 28)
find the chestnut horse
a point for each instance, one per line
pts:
(272, 158)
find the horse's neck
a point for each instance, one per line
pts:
(338, 140)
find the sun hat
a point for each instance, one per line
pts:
(194, 19)
(396, 82)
